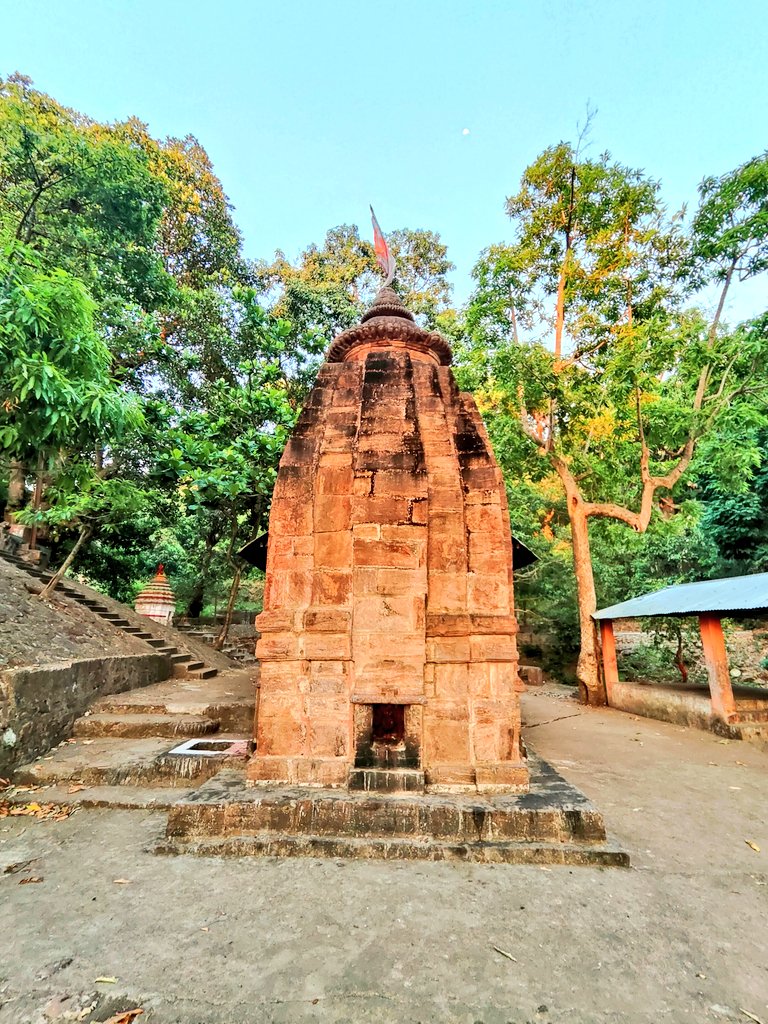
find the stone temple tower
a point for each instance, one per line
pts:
(388, 654)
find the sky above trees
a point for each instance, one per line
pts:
(311, 111)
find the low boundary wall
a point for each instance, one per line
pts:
(667, 704)
(39, 703)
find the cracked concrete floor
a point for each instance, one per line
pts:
(681, 936)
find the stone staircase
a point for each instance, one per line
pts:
(240, 653)
(183, 663)
(122, 754)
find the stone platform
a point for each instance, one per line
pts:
(554, 823)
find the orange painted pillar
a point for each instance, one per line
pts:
(716, 657)
(610, 665)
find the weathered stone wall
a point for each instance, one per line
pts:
(687, 705)
(39, 704)
(389, 580)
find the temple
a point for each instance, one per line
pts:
(387, 650)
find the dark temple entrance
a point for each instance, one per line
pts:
(388, 724)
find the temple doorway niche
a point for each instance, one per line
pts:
(387, 735)
(388, 724)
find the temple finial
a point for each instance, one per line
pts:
(387, 303)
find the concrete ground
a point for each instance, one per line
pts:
(681, 936)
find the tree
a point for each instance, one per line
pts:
(223, 458)
(140, 231)
(54, 369)
(618, 416)
(83, 198)
(329, 287)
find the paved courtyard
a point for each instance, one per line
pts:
(681, 936)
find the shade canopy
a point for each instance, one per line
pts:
(735, 596)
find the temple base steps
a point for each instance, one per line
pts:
(386, 780)
(517, 852)
(553, 823)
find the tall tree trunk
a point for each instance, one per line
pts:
(223, 633)
(560, 310)
(682, 668)
(721, 302)
(36, 501)
(85, 534)
(591, 684)
(197, 597)
(16, 486)
(588, 674)
(513, 319)
(568, 232)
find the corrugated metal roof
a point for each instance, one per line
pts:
(737, 594)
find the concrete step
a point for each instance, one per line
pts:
(604, 854)
(128, 798)
(167, 651)
(141, 726)
(143, 636)
(179, 659)
(157, 641)
(194, 669)
(387, 780)
(234, 717)
(116, 762)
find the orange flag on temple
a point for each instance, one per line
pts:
(383, 255)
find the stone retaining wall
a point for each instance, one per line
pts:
(39, 704)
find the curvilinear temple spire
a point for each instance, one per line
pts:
(387, 650)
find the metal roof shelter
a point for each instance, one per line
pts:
(710, 600)
(737, 595)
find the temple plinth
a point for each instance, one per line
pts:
(387, 650)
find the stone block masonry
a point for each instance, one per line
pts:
(389, 579)
(39, 704)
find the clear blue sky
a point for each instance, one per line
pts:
(310, 110)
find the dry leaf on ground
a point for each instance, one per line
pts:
(29, 881)
(43, 812)
(76, 787)
(752, 846)
(121, 881)
(105, 981)
(126, 1017)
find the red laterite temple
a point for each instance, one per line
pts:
(387, 650)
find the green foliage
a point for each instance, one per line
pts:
(730, 229)
(155, 374)
(54, 368)
(81, 196)
(330, 286)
